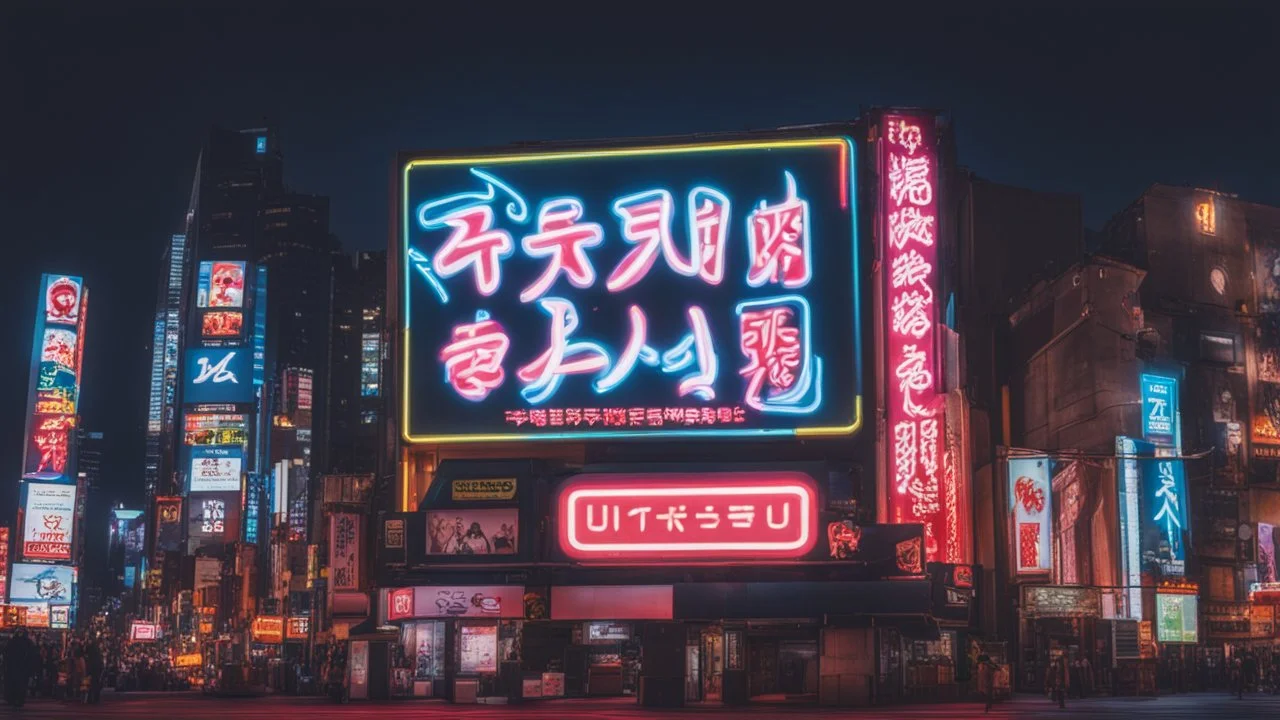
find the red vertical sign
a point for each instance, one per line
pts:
(4, 564)
(917, 475)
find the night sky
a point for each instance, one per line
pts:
(105, 110)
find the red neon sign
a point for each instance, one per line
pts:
(712, 516)
(922, 489)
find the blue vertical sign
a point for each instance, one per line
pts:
(1160, 410)
(1164, 515)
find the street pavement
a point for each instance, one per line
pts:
(194, 706)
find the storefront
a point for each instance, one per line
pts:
(1056, 624)
(790, 605)
(453, 640)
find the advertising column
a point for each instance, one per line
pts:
(922, 489)
(44, 580)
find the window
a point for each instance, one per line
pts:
(1206, 222)
(1219, 348)
(369, 417)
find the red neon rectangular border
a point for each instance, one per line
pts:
(725, 483)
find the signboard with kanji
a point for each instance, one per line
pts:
(705, 289)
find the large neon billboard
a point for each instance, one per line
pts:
(643, 291)
(673, 518)
(918, 476)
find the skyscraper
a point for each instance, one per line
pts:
(242, 333)
(356, 390)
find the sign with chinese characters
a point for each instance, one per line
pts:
(672, 518)
(298, 627)
(220, 284)
(1159, 410)
(495, 489)
(399, 604)
(344, 551)
(1164, 515)
(48, 521)
(1031, 501)
(1061, 601)
(218, 375)
(268, 629)
(701, 289)
(212, 519)
(439, 601)
(215, 468)
(915, 413)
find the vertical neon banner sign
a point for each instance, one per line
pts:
(914, 408)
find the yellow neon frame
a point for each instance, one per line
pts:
(845, 144)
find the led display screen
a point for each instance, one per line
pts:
(215, 468)
(214, 429)
(168, 523)
(221, 324)
(220, 285)
(218, 375)
(1164, 515)
(30, 582)
(472, 532)
(212, 519)
(1177, 618)
(48, 521)
(1159, 409)
(686, 290)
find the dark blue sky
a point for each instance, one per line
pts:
(110, 108)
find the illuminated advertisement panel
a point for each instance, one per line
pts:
(4, 562)
(917, 472)
(212, 519)
(215, 468)
(168, 523)
(1164, 515)
(214, 429)
(1031, 504)
(704, 289)
(268, 629)
(140, 631)
(1177, 618)
(472, 532)
(370, 363)
(344, 551)
(38, 583)
(48, 521)
(673, 518)
(220, 285)
(218, 375)
(62, 300)
(1159, 409)
(49, 447)
(221, 324)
